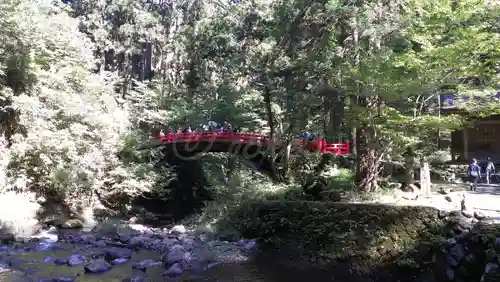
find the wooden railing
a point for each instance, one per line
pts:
(251, 138)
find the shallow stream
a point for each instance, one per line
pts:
(219, 260)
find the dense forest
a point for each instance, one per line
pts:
(84, 84)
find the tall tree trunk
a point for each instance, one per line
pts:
(369, 149)
(333, 115)
(270, 123)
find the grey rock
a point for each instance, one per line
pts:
(443, 214)
(174, 270)
(88, 238)
(64, 279)
(70, 224)
(458, 252)
(115, 253)
(479, 215)
(178, 229)
(75, 260)
(119, 261)
(173, 256)
(100, 243)
(97, 267)
(467, 213)
(61, 261)
(250, 245)
(143, 265)
(488, 267)
(139, 241)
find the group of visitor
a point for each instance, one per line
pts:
(474, 172)
(307, 136)
(210, 126)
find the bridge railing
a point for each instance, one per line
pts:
(251, 138)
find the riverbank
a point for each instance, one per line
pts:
(135, 252)
(376, 242)
(322, 241)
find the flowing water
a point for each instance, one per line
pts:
(27, 262)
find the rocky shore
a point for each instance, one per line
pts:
(352, 242)
(119, 253)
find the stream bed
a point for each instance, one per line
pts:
(144, 254)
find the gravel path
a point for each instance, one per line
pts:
(486, 199)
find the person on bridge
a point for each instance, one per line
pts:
(187, 129)
(474, 173)
(212, 125)
(226, 126)
(307, 136)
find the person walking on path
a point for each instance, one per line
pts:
(474, 173)
(490, 170)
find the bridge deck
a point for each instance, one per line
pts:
(232, 140)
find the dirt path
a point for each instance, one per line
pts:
(486, 199)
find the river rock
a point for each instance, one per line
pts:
(188, 243)
(178, 229)
(64, 279)
(174, 270)
(139, 241)
(75, 260)
(70, 224)
(467, 213)
(250, 245)
(458, 252)
(143, 265)
(479, 215)
(97, 267)
(115, 253)
(176, 254)
(119, 261)
(61, 261)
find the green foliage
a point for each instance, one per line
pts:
(74, 128)
(71, 123)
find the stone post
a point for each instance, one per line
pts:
(425, 179)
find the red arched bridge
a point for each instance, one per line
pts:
(228, 141)
(253, 149)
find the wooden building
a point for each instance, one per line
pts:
(480, 139)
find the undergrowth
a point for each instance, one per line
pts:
(231, 190)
